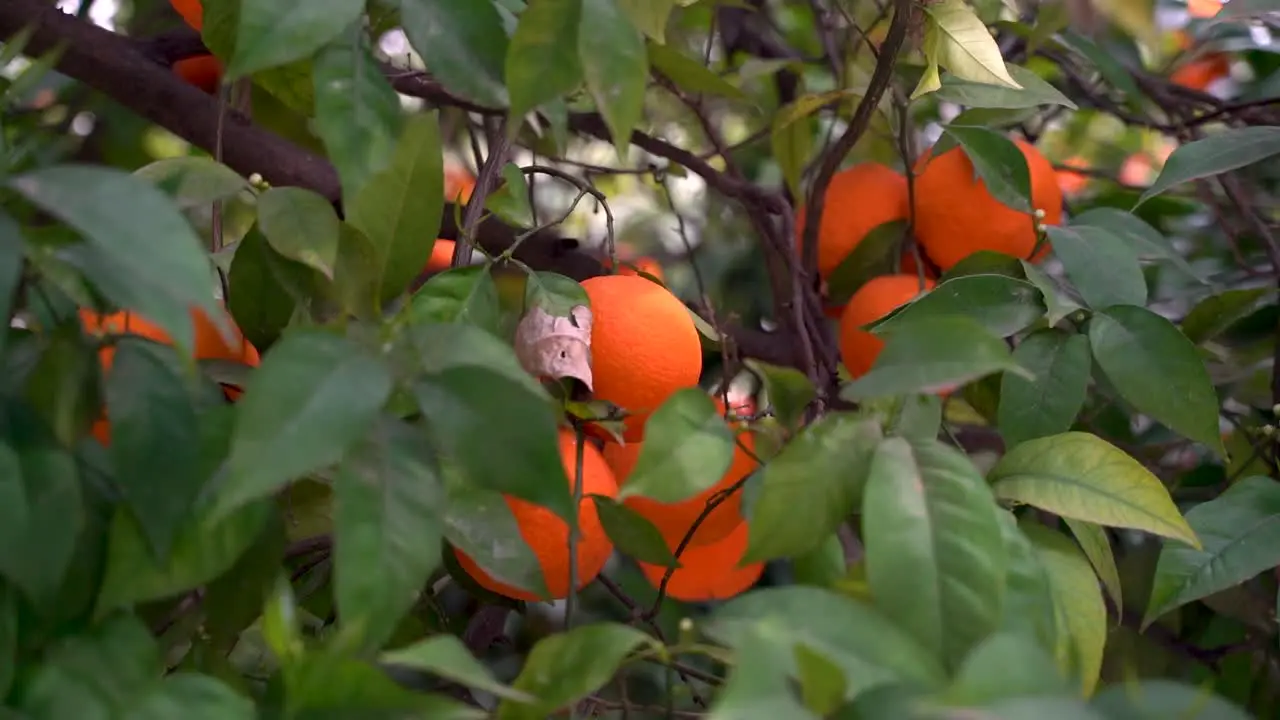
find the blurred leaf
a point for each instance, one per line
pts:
(235, 599)
(1112, 71)
(822, 684)
(998, 163)
(466, 295)
(464, 44)
(1092, 539)
(633, 534)
(867, 646)
(788, 389)
(399, 208)
(688, 74)
(687, 448)
(479, 523)
(542, 61)
(1035, 92)
(616, 67)
(41, 509)
(272, 33)
(1001, 304)
(931, 46)
(758, 685)
(565, 667)
(1158, 699)
(823, 566)
(155, 439)
(385, 507)
(8, 636)
(1136, 17)
(1146, 241)
(965, 46)
(1241, 533)
(358, 114)
(281, 627)
(1081, 476)
(1005, 666)
(876, 254)
(1101, 266)
(123, 218)
(314, 395)
(301, 226)
(792, 144)
(986, 262)
(1028, 602)
(193, 697)
(1155, 368)
(12, 249)
(356, 275)
(436, 347)
(329, 686)
(447, 657)
(934, 555)
(260, 303)
(472, 410)
(193, 181)
(101, 673)
(1213, 315)
(1218, 153)
(650, 16)
(511, 201)
(1077, 600)
(811, 487)
(928, 354)
(1049, 403)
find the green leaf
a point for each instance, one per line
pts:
(12, 249)
(385, 502)
(194, 181)
(123, 218)
(789, 392)
(1035, 92)
(649, 15)
(998, 163)
(1213, 315)
(1049, 403)
(1157, 369)
(465, 295)
(690, 75)
(155, 438)
(927, 354)
(1145, 241)
(479, 523)
(822, 684)
(878, 253)
(447, 657)
(41, 509)
(811, 487)
(193, 697)
(235, 599)
(1102, 266)
(464, 44)
(633, 534)
(1081, 476)
(791, 139)
(356, 275)
(300, 225)
(399, 208)
(100, 673)
(1001, 304)
(1058, 303)
(1240, 530)
(1028, 601)
(964, 45)
(273, 33)
(328, 686)
(687, 448)
(8, 636)
(435, 347)
(554, 293)
(1111, 70)
(1092, 539)
(823, 566)
(1221, 152)
(542, 61)
(1157, 699)
(616, 67)
(1004, 666)
(472, 410)
(313, 396)
(567, 666)
(934, 554)
(867, 646)
(758, 685)
(1077, 601)
(260, 300)
(206, 547)
(358, 114)
(511, 201)
(915, 417)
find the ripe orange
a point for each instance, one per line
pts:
(644, 346)
(203, 71)
(441, 256)
(458, 183)
(858, 200)
(1202, 72)
(955, 215)
(1072, 182)
(548, 536)
(879, 297)
(1204, 8)
(673, 520)
(191, 11)
(709, 572)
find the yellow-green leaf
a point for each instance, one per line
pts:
(1081, 614)
(965, 46)
(1093, 541)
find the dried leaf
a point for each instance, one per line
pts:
(554, 346)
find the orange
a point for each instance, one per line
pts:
(709, 572)
(1204, 8)
(629, 266)
(203, 71)
(548, 536)
(673, 520)
(191, 11)
(1072, 182)
(880, 296)
(955, 215)
(857, 201)
(644, 346)
(1137, 170)
(458, 183)
(441, 256)
(1202, 72)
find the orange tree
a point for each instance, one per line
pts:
(390, 365)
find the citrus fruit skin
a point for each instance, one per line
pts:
(857, 201)
(709, 572)
(1199, 74)
(955, 215)
(673, 520)
(441, 256)
(548, 536)
(203, 71)
(192, 11)
(880, 296)
(644, 346)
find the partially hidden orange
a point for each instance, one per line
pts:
(441, 256)
(203, 71)
(880, 296)
(192, 11)
(857, 201)
(709, 572)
